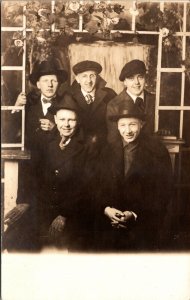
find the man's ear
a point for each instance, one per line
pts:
(55, 118)
(77, 78)
(38, 85)
(142, 124)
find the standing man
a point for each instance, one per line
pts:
(138, 185)
(133, 76)
(46, 76)
(91, 96)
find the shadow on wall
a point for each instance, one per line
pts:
(111, 55)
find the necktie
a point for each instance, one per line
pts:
(89, 99)
(140, 103)
(46, 100)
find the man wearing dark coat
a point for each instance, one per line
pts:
(91, 96)
(138, 186)
(46, 76)
(61, 184)
(64, 201)
(133, 77)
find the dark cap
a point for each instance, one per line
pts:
(87, 65)
(132, 68)
(128, 111)
(48, 67)
(64, 102)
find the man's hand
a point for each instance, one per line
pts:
(113, 214)
(46, 124)
(57, 226)
(16, 213)
(20, 101)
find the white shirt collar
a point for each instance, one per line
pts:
(91, 93)
(45, 106)
(134, 97)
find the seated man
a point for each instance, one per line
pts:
(133, 76)
(140, 182)
(59, 183)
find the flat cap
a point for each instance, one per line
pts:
(126, 110)
(87, 65)
(132, 68)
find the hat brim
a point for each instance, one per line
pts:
(115, 118)
(61, 74)
(54, 109)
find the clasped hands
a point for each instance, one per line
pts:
(118, 218)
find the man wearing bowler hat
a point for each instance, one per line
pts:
(133, 76)
(60, 188)
(91, 96)
(46, 77)
(138, 185)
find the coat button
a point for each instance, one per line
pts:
(56, 172)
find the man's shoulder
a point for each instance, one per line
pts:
(123, 96)
(149, 94)
(154, 145)
(110, 91)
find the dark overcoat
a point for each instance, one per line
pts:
(123, 97)
(93, 116)
(144, 190)
(64, 188)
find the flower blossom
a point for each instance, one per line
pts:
(74, 6)
(165, 31)
(134, 12)
(18, 43)
(115, 20)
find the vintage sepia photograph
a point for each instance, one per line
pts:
(95, 148)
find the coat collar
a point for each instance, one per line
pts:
(99, 94)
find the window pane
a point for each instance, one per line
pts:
(12, 13)
(10, 127)
(11, 86)
(169, 120)
(188, 17)
(67, 17)
(173, 13)
(12, 49)
(38, 14)
(149, 15)
(187, 77)
(186, 127)
(170, 89)
(172, 52)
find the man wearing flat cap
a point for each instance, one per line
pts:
(91, 96)
(138, 186)
(133, 76)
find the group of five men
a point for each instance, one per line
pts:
(96, 175)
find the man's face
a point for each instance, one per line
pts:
(48, 85)
(129, 128)
(87, 80)
(135, 84)
(66, 121)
